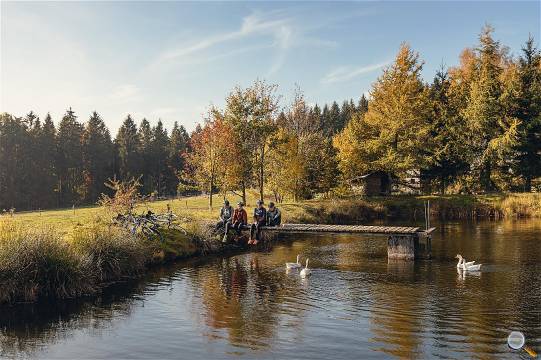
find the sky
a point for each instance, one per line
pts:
(172, 60)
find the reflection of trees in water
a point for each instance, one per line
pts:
(395, 317)
(243, 298)
(26, 328)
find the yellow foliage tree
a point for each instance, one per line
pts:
(393, 133)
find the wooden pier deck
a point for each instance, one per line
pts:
(351, 229)
(403, 242)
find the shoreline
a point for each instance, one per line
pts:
(40, 261)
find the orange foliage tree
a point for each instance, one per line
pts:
(212, 157)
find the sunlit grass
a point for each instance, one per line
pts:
(196, 209)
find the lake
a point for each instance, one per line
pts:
(356, 304)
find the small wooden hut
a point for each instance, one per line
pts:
(377, 183)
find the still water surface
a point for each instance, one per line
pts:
(355, 305)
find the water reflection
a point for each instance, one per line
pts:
(242, 298)
(356, 302)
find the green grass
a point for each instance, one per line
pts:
(324, 210)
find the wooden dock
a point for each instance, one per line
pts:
(349, 229)
(403, 242)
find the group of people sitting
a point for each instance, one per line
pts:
(238, 219)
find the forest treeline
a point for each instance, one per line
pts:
(475, 128)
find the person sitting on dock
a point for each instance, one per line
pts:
(226, 214)
(260, 218)
(240, 219)
(274, 216)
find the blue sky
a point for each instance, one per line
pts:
(171, 60)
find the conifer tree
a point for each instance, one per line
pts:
(159, 169)
(335, 120)
(145, 150)
(363, 104)
(492, 132)
(178, 147)
(317, 116)
(14, 161)
(97, 157)
(70, 160)
(448, 153)
(325, 123)
(128, 145)
(527, 159)
(47, 155)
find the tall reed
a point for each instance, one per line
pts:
(111, 253)
(38, 263)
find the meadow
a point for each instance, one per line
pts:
(349, 209)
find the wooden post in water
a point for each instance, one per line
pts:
(402, 247)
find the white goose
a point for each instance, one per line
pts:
(294, 265)
(306, 272)
(461, 261)
(467, 266)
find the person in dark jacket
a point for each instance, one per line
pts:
(240, 219)
(274, 216)
(226, 215)
(260, 218)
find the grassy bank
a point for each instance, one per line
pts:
(43, 262)
(70, 253)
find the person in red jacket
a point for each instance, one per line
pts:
(240, 219)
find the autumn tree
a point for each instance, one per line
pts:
(210, 151)
(393, 134)
(302, 160)
(251, 113)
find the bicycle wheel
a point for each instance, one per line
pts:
(178, 228)
(157, 233)
(148, 233)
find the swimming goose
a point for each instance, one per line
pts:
(467, 266)
(306, 272)
(294, 265)
(461, 261)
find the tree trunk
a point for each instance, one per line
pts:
(261, 173)
(211, 192)
(486, 182)
(528, 184)
(243, 185)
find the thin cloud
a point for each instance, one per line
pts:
(125, 92)
(284, 33)
(251, 25)
(346, 73)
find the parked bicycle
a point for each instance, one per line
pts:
(148, 224)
